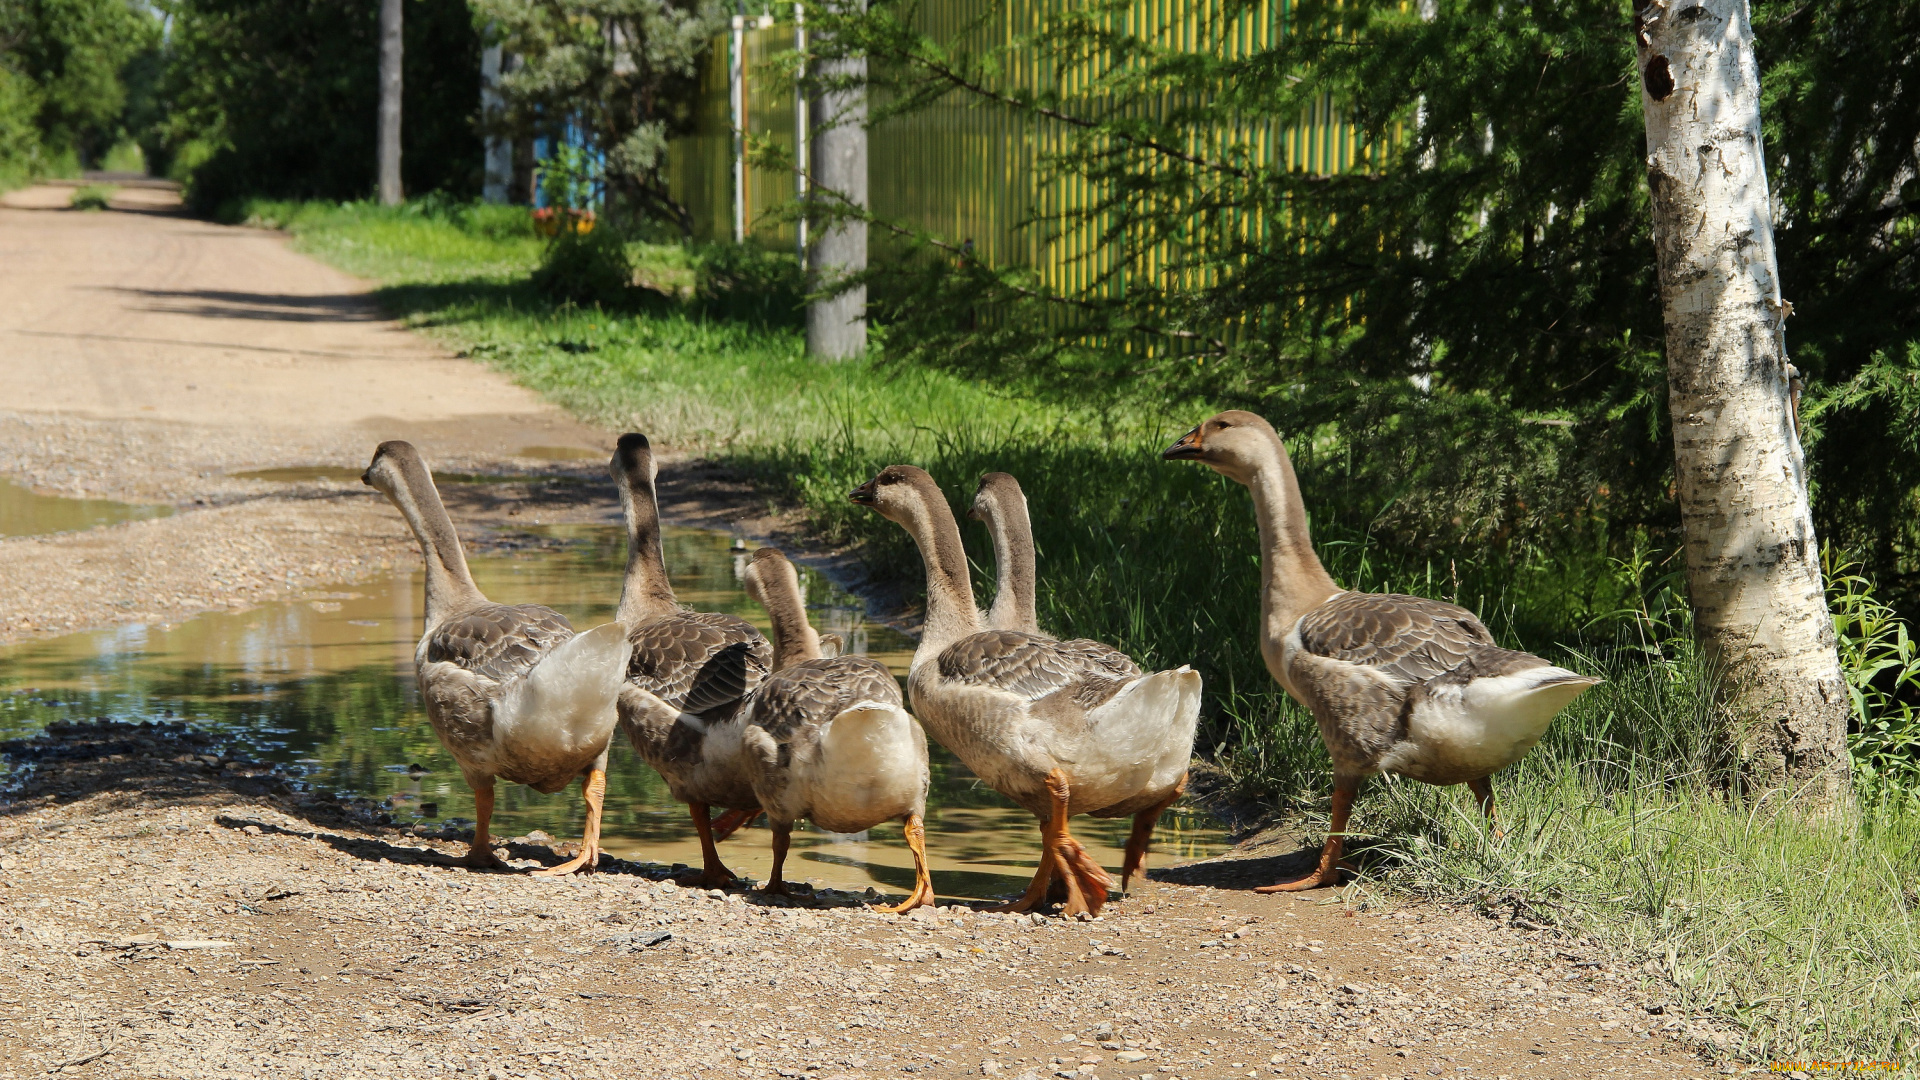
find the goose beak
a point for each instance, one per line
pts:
(1186, 448)
(862, 494)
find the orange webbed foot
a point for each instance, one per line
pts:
(1320, 877)
(584, 863)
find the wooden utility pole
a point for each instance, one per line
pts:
(1753, 562)
(390, 52)
(837, 326)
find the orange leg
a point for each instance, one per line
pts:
(1087, 882)
(1142, 835)
(1036, 893)
(595, 790)
(733, 821)
(922, 895)
(713, 875)
(1483, 794)
(1328, 872)
(480, 854)
(782, 836)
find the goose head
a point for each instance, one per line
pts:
(996, 490)
(769, 577)
(1236, 444)
(394, 464)
(900, 493)
(633, 467)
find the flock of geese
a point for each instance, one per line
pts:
(793, 730)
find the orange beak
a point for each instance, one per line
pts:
(1187, 448)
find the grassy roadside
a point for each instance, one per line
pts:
(1798, 930)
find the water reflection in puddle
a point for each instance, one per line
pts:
(325, 685)
(25, 513)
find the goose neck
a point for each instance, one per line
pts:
(645, 592)
(794, 639)
(1014, 571)
(951, 614)
(450, 584)
(1293, 580)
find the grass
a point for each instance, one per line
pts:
(1797, 928)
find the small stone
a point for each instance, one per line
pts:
(1128, 1057)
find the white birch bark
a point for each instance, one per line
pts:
(1753, 563)
(837, 325)
(390, 53)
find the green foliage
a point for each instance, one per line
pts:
(621, 70)
(21, 153)
(1882, 668)
(62, 77)
(285, 97)
(92, 197)
(746, 281)
(587, 269)
(1471, 311)
(569, 178)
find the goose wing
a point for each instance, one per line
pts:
(1409, 639)
(701, 663)
(815, 691)
(498, 641)
(1036, 667)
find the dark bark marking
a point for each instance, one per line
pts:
(1659, 79)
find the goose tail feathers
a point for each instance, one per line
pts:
(1149, 722)
(871, 767)
(571, 692)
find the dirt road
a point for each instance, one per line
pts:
(147, 357)
(254, 932)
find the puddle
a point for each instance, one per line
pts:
(25, 513)
(325, 685)
(306, 474)
(562, 453)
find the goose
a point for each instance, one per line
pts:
(1059, 727)
(827, 738)
(512, 691)
(1398, 684)
(680, 707)
(1001, 504)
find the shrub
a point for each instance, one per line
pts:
(743, 281)
(586, 269)
(92, 197)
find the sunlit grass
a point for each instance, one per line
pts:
(1797, 928)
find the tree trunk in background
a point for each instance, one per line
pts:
(390, 51)
(837, 327)
(1753, 564)
(499, 148)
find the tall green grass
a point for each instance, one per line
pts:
(1797, 928)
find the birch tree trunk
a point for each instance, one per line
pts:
(390, 52)
(837, 326)
(1753, 564)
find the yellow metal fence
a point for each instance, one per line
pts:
(971, 171)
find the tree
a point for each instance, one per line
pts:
(277, 96)
(392, 53)
(623, 72)
(837, 322)
(73, 52)
(1753, 561)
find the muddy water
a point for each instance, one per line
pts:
(24, 513)
(325, 685)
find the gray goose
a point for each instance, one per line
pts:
(1002, 506)
(827, 738)
(1398, 684)
(691, 670)
(1059, 727)
(512, 691)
